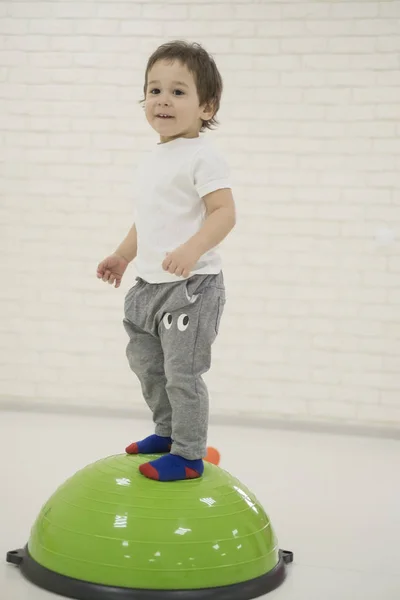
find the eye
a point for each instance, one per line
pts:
(183, 322)
(167, 320)
(178, 92)
(154, 91)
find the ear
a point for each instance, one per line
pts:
(207, 111)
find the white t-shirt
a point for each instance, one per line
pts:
(169, 210)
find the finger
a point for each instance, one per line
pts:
(117, 283)
(112, 279)
(106, 275)
(185, 273)
(178, 271)
(172, 267)
(166, 262)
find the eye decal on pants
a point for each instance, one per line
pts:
(182, 322)
(167, 320)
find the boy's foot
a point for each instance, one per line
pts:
(154, 444)
(172, 468)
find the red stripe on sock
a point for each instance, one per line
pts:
(149, 471)
(132, 449)
(191, 473)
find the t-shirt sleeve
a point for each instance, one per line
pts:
(211, 172)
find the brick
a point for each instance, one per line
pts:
(76, 10)
(385, 179)
(13, 58)
(118, 10)
(328, 95)
(389, 9)
(265, 11)
(354, 10)
(328, 28)
(106, 27)
(350, 45)
(281, 29)
(350, 113)
(388, 111)
(168, 12)
(377, 95)
(17, 387)
(394, 261)
(333, 410)
(379, 414)
(233, 28)
(388, 78)
(373, 61)
(305, 10)
(330, 62)
(390, 398)
(255, 47)
(136, 27)
(50, 59)
(281, 63)
(373, 129)
(52, 26)
(376, 27)
(70, 43)
(13, 27)
(26, 43)
(304, 45)
(388, 44)
(30, 10)
(30, 76)
(357, 395)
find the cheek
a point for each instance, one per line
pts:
(148, 107)
(186, 111)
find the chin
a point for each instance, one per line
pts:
(166, 131)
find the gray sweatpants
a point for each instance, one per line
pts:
(171, 327)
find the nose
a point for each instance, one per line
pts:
(163, 100)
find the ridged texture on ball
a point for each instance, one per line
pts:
(110, 525)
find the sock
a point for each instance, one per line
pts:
(172, 468)
(154, 444)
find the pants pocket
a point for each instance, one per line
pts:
(129, 296)
(220, 310)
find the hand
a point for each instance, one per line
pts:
(181, 261)
(112, 268)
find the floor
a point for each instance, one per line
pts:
(334, 500)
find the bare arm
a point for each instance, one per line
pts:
(128, 247)
(220, 220)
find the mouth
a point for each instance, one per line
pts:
(164, 116)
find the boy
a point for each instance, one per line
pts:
(183, 209)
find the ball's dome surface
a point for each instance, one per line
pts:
(108, 525)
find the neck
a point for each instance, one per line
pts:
(189, 136)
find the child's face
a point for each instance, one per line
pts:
(171, 90)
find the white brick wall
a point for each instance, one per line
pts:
(310, 124)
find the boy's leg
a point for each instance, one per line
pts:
(187, 335)
(146, 360)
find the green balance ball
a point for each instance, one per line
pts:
(110, 533)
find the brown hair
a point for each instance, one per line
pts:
(202, 66)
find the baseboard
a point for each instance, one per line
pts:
(292, 423)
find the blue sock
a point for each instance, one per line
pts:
(172, 468)
(154, 444)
